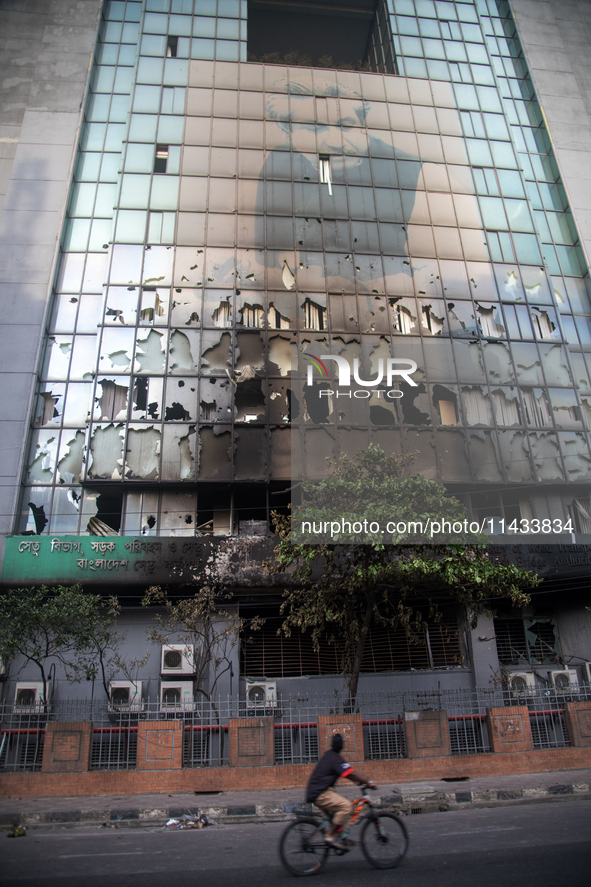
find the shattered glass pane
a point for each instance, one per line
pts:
(143, 453)
(106, 452)
(178, 456)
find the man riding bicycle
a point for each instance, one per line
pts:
(320, 789)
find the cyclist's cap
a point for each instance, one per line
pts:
(337, 742)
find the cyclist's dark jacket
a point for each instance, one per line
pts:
(328, 769)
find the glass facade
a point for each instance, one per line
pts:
(225, 211)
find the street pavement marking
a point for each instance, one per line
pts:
(125, 853)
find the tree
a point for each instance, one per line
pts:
(205, 621)
(352, 580)
(42, 624)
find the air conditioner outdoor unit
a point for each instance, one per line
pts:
(261, 693)
(177, 696)
(587, 672)
(563, 680)
(522, 682)
(125, 696)
(177, 659)
(28, 697)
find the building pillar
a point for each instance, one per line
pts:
(426, 734)
(509, 729)
(577, 716)
(66, 748)
(251, 742)
(351, 729)
(160, 745)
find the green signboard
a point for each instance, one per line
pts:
(77, 558)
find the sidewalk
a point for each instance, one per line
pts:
(273, 806)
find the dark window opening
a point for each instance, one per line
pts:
(250, 510)
(161, 158)
(172, 45)
(214, 510)
(107, 520)
(350, 34)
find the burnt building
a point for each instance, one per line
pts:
(201, 192)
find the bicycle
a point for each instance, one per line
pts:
(383, 839)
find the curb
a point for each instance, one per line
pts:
(408, 803)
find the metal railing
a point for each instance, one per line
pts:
(295, 722)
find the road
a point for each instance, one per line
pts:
(545, 845)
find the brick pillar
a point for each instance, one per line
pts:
(160, 745)
(351, 729)
(509, 729)
(66, 748)
(251, 742)
(426, 734)
(577, 716)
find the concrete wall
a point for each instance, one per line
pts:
(555, 35)
(45, 52)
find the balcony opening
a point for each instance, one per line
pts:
(348, 34)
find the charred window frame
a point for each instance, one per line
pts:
(527, 641)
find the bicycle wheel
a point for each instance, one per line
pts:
(384, 840)
(302, 848)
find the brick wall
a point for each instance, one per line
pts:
(426, 734)
(67, 747)
(577, 716)
(159, 745)
(129, 782)
(251, 742)
(509, 729)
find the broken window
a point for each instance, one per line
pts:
(506, 407)
(154, 306)
(186, 307)
(527, 641)
(249, 401)
(537, 410)
(106, 451)
(181, 400)
(111, 400)
(178, 452)
(50, 405)
(544, 322)
(403, 314)
(214, 510)
(325, 177)
(215, 454)
(446, 403)
(477, 407)
(253, 315)
(490, 320)
(567, 413)
(161, 158)
(147, 397)
(106, 520)
(150, 352)
(432, 321)
(281, 314)
(143, 453)
(314, 315)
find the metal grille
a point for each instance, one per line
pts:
(113, 748)
(196, 747)
(275, 656)
(384, 740)
(295, 720)
(468, 735)
(283, 746)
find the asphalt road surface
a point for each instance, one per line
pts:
(545, 845)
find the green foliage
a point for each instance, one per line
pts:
(60, 623)
(339, 589)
